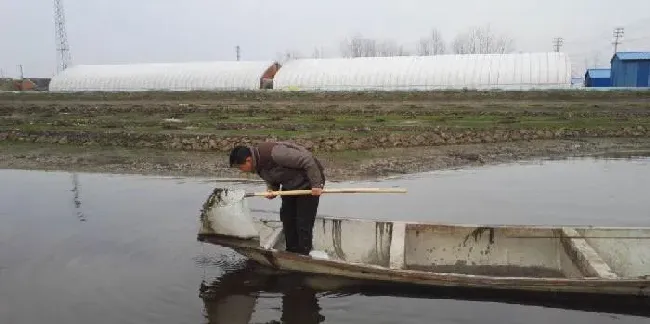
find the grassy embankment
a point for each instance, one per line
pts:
(335, 125)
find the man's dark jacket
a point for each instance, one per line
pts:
(287, 164)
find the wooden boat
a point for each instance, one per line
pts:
(593, 260)
(232, 297)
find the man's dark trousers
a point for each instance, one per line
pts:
(298, 214)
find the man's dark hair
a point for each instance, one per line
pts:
(238, 155)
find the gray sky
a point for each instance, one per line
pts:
(121, 31)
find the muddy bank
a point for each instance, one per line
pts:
(358, 135)
(363, 141)
(323, 122)
(345, 165)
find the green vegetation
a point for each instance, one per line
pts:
(331, 121)
(273, 95)
(356, 134)
(301, 124)
(6, 85)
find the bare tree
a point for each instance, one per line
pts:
(477, 40)
(287, 56)
(431, 45)
(317, 53)
(391, 48)
(358, 46)
(481, 40)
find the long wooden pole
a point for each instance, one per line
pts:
(333, 190)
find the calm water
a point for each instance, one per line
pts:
(123, 249)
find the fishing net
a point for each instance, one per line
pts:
(226, 212)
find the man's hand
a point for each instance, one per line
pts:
(316, 191)
(269, 195)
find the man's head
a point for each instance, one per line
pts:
(241, 158)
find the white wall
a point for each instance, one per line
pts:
(474, 71)
(227, 75)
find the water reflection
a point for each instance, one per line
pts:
(236, 295)
(76, 200)
(232, 297)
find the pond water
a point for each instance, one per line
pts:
(96, 248)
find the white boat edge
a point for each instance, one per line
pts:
(588, 259)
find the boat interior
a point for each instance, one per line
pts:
(503, 251)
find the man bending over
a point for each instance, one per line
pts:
(287, 166)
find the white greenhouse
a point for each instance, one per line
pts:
(225, 76)
(521, 71)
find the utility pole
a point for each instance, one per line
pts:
(557, 43)
(618, 33)
(61, 37)
(22, 77)
(596, 59)
(238, 52)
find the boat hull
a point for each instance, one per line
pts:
(285, 261)
(606, 261)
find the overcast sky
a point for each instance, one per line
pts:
(122, 31)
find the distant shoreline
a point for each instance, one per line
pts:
(358, 135)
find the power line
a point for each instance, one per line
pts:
(618, 33)
(557, 43)
(599, 37)
(636, 39)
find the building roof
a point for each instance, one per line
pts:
(632, 56)
(599, 73)
(472, 71)
(224, 75)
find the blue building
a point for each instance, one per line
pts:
(631, 69)
(598, 78)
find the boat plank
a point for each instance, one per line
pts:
(626, 250)
(398, 239)
(482, 251)
(583, 255)
(273, 239)
(285, 261)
